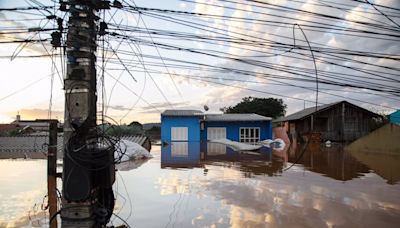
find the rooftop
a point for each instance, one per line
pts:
(237, 117)
(216, 117)
(308, 111)
(181, 112)
(305, 112)
(26, 146)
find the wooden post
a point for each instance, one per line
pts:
(312, 123)
(52, 171)
(343, 122)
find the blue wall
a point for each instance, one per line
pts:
(395, 117)
(191, 122)
(232, 129)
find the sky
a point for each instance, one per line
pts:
(144, 76)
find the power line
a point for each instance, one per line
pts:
(24, 88)
(249, 62)
(159, 54)
(27, 8)
(373, 5)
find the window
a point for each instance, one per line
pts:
(179, 149)
(249, 134)
(179, 134)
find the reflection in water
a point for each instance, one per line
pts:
(21, 154)
(22, 188)
(311, 201)
(196, 154)
(293, 198)
(201, 185)
(386, 166)
(181, 155)
(332, 161)
(380, 150)
(299, 197)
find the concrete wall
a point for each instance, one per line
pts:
(232, 129)
(191, 122)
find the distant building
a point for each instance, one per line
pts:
(8, 127)
(35, 125)
(395, 117)
(339, 121)
(194, 125)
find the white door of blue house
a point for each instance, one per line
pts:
(216, 133)
(179, 134)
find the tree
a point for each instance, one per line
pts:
(134, 128)
(137, 126)
(270, 107)
(154, 133)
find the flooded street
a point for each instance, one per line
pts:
(211, 185)
(23, 186)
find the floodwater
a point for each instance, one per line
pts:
(210, 185)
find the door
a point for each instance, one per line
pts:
(179, 134)
(216, 133)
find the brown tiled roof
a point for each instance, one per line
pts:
(6, 127)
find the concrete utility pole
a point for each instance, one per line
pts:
(87, 169)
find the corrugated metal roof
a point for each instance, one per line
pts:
(305, 112)
(36, 143)
(29, 145)
(181, 112)
(308, 111)
(237, 117)
(216, 117)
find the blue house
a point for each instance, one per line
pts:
(395, 117)
(194, 125)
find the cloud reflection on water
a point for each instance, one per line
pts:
(300, 197)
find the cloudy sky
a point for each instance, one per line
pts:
(191, 53)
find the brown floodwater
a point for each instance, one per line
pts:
(210, 185)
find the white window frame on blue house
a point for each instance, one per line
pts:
(246, 137)
(180, 149)
(179, 134)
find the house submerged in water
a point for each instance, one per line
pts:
(196, 126)
(339, 121)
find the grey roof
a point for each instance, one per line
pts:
(216, 117)
(27, 146)
(308, 111)
(305, 112)
(237, 117)
(36, 146)
(181, 112)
